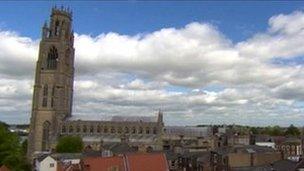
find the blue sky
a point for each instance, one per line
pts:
(201, 62)
(237, 20)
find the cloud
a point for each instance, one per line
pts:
(176, 69)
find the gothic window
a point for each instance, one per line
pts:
(105, 130)
(53, 91)
(52, 102)
(133, 130)
(52, 58)
(77, 128)
(126, 130)
(119, 130)
(45, 90)
(45, 135)
(140, 131)
(98, 129)
(154, 130)
(44, 102)
(71, 129)
(112, 130)
(63, 130)
(91, 129)
(57, 28)
(84, 129)
(147, 130)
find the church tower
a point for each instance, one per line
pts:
(53, 89)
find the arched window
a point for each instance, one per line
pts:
(45, 135)
(140, 130)
(91, 129)
(45, 90)
(45, 94)
(112, 130)
(71, 129)
(77, 128)
(84, 129)
(52, 58)
(98, 129)
(147, 130)
(105, 130)
(154, 130)
(57, 28)
(126, 130)
(119, 130)
(133, 130)
(63, 130)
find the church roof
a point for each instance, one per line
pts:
(116, 118)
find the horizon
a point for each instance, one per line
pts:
(201, 63)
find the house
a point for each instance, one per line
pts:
(45, 163)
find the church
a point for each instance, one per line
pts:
(51, 115)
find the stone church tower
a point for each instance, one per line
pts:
(53, 89)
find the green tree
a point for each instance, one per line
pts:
(11, 153)
(292, 131)
(69, 144)
(276, 131)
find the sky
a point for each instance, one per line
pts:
(200, 62)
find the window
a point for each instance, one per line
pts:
(91, 129)
(154, 130)
(140, 131)
(44, 102)
(133, 130)
(126, 130)
(57, 28)
(52, 102)
(105, 130)
(119, 130)
(52, 164)
(147, 130)
(45, 90)
(52, 59)
(63, 130)
(112, 130)
(71, 129)
(84, 129)
(98, 129)
(78, 129)
(45, 135)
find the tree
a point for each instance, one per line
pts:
(11, 153)
(69, 144)
(292, 131)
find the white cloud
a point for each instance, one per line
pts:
(170, 69)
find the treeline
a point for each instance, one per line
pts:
(276, 131)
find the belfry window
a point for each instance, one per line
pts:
(147, 130)
(126, 130)
(78, 129)
(98, 129)
(84, 129)
(57, 28)
(91, 129)
(105, 130)
(52, 58)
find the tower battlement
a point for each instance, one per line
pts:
(62, 11)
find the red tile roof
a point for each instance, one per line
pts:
(127, 162)
(147, 162)
(104, 163)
